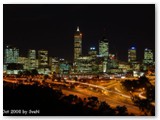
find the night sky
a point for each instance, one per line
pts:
(52, 27)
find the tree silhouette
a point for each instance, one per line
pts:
(121, 110)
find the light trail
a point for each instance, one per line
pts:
(100, 87)
(141, 96)
(117, 89)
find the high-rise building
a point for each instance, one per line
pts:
(132, 57)
(42, 58)
(112, 62)
(77, 44)
(148, 56)
(11, 54)
(92, 51)
(32, 59)
(24, 61)
(104, 51)
(64, 66)
(84, 64)
(104, 47)
(54, 64)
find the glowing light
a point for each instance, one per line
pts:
(92, 48)
(132, 48)
(77, 28)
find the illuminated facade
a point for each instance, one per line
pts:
(64, 66)
(77, 44)
(135, 66)
(11, 54)
(24, 61)
(148, 56)
(124, 66)
(132, 57)
(104, 51)
(112, 62)
(42, 58)
(54, 64)
(92, 51)
(84, 64)
(32, 59)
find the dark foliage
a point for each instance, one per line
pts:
(52, 102)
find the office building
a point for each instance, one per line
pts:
(132, 57)
(11, 54)
(77, 44)
(104, 51)
(42, 58)
(148, 56)
(92, 52)
(24, 61)
(54, 64)
(32, 59)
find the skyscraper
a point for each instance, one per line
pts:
(104, 51)
(24, 61)
(92, 51)
(148, 56)
(42, 58)
(32, 59)
(77, 44)
(54, 64)
(132, 57)
(11, 54)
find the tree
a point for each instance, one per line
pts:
(144, 105)
(27, 72)
(121, 110)
(103, 106)
(93, 102)
(34, 72)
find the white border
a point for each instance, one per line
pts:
(84, 2)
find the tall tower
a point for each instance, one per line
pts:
(92, 51)
(132, 57)
(32, 59)
(148, 56)
(77, 44)
(42, 58)
(11, 54)
(104, 51)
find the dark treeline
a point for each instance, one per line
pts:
(53, 102)
(143, 83)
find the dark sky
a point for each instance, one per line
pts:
(52, 27)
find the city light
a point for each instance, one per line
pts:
(132, 48)
(106, 72)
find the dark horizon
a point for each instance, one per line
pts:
(52, 27)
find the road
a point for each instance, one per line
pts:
(109, 91)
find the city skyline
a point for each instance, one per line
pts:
(42, 27)
(79, 60)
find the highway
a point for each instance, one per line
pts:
(100, 87)
(110, 91)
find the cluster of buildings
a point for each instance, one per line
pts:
(96, 62)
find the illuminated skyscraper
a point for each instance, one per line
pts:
(132, 57)
(92, 51)
(42, 58)
(11, 54)
(112, 62)
(77, 44)
(148, 56)
(104, 51)
(24, 61)
(32, 59)
(54, 64)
